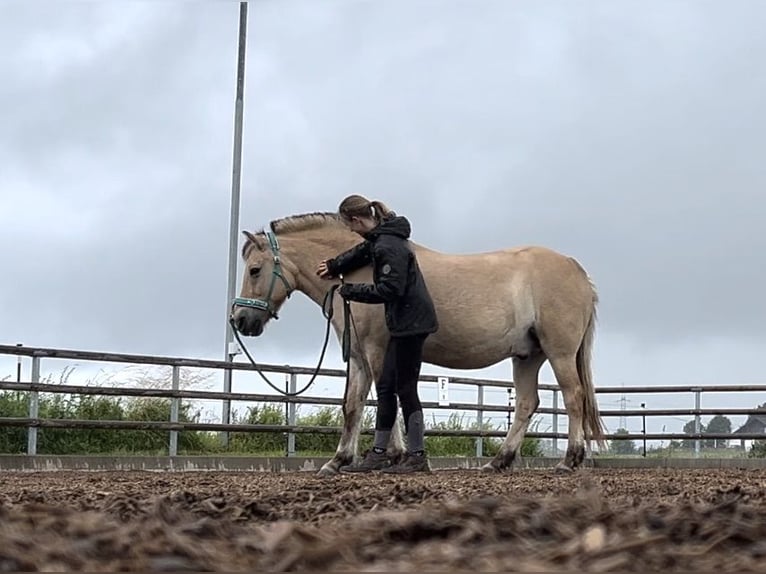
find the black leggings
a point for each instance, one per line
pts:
(401, 370)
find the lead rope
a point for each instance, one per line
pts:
(327, 311)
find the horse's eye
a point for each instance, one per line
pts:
(255, 271)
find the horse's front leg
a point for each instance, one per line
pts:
(357, 389)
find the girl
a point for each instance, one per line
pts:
(410, 317)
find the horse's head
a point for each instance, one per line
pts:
(265, 285)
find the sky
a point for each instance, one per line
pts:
(628, 135)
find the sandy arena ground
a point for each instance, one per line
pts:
(597, 519)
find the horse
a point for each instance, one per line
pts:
(528, 304)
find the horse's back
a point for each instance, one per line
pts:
(541, 268)
(487, 303)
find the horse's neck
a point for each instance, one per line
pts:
(305, 254)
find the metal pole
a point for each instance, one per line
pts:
(643, 426)
(174, 407)
(236, 177)
(18, 365)
(697, 426)
(555, 423)
(34, 408)
(291, 415)
(480, 422)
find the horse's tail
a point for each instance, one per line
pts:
(592, 423)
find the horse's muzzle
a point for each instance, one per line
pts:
(247, 324)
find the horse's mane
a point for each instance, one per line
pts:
(304, 221)
(299, 222)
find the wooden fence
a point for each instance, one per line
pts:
(34, 387)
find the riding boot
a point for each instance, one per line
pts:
(416, 432)
(372, 461)
(415, 462)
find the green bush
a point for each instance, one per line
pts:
(466, 446)
(157, 409)
(265, 442)
(325, 442)
(458, 445)
(115, 441)
(13, 404)
(268, 442)
(622, 446)
(758, 449)
(97, 441)
(78, 441)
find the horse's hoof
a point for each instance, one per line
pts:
(490, 468)
(327, 471)
(561, 468)
(396, 458)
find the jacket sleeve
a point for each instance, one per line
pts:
(392, 262)
(357, 256)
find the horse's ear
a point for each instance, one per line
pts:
(252, 242)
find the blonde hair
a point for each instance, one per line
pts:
(359, 206)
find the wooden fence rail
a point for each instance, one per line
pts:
(332, 401)
(307, 429)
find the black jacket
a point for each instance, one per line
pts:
(397, 280)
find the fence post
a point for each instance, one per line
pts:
(34, 408)
(480, 421)
(511, 405)
(228, 375)
(643, 426)
(18, 365)
(291, 415)
(697, 426)
(174, 408)
(555, 422)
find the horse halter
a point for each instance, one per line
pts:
(266, 304)
(327, 310)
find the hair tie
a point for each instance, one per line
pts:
(372, 210)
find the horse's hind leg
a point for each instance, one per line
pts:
(565, 370)
(525, 373)
(357, 388)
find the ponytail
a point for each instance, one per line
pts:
(379, 210)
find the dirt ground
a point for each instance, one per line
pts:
(599, 520)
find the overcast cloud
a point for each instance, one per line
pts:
(629, 135)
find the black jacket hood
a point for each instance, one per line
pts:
(397, 225)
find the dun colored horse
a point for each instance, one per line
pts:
(527, 304)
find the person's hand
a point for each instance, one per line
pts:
(322, 270)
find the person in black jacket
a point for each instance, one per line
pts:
(410, 317)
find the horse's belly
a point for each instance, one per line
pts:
(466, 354)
